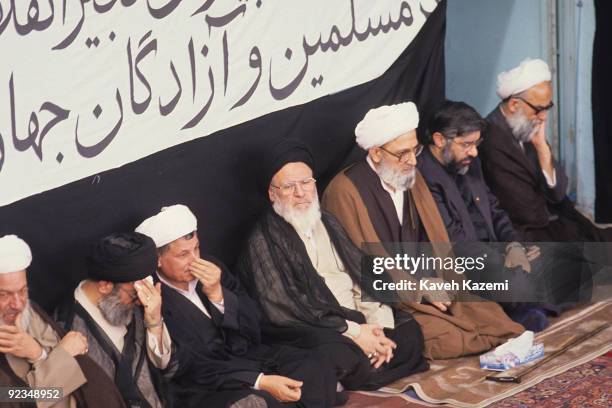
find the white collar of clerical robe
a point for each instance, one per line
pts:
(396, 196)
(115, 333)
(191, 293)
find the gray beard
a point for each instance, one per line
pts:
(397, 179)
(523, 130)
(302, 221)
(114, 311)
(449, 161)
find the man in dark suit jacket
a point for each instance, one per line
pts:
(471, 213)
(216, 326)
(520, 167)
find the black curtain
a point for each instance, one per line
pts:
(216, 176)
(602, 110)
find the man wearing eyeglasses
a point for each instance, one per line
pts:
(472, 215)
(304, 271)
(518, 163)
(119, 311)
(385, 199)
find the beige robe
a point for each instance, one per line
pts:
(59, 369)
(468, 327)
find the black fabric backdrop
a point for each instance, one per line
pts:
(216, 176)
(602, 110)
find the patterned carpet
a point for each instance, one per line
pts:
(587, 385)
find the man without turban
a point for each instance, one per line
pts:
(223, 361)
(519, 165)
(384, 199)
(304, 271)
(34, 352)
(119, 311)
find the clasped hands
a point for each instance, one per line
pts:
(373, 342)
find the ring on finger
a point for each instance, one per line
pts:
(370, 355)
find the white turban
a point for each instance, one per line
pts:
(15, 254)
(385, 123)
(529, 73)
(170, 224)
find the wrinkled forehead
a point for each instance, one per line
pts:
(292, 172)
(13, 281)
(183, 244)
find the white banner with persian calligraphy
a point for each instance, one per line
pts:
(92, 85)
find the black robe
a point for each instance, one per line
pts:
(453, 208)
(539, 212)
(300, 309)
(131, 367)
(222, 356)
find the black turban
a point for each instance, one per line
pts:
(123, 257)
(287, 151)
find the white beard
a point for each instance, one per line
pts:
(522, 129)
(399, 180)
(303, 221)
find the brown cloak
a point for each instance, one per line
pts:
(467, 327)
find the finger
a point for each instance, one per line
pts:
(142, 290)
(208, 264)
(389, 356)
(292, 395)
(381, 349)
(202, 265)
(380, 361)
(8, 343)
(378, 332)
(440, 306)
(390, 343)
(293, 383)
(8, 336)
(18, 320)
(9, 329)
(158, 288)
(148, 284)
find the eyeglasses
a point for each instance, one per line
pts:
(404, 156)
(536, 109)
(307, 185)
(467, 145)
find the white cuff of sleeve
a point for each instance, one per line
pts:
(353, 329)
(256, 386)
(43, 356)
(551, 181)
(219, 305)
(160, 353)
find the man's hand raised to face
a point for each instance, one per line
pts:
(209, 275)
(15, 341)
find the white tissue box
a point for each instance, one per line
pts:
(489, 361)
